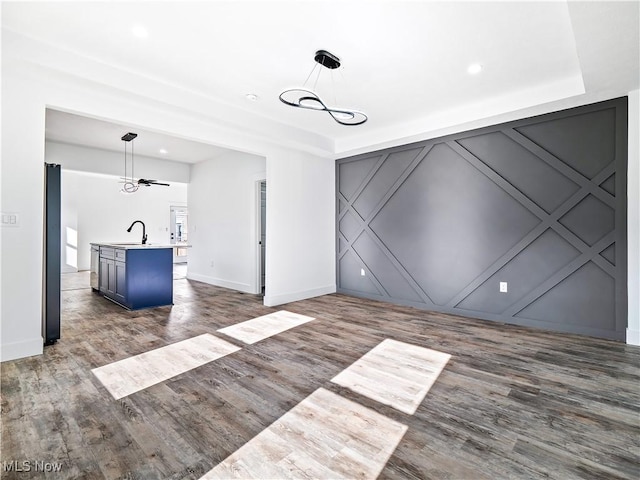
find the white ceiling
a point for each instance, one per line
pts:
(80, 130)
(404, 63)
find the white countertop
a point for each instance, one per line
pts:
(130, 246)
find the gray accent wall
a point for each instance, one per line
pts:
(539, 203)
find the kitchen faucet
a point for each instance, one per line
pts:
(144, 235)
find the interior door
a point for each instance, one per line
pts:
(263, 231)
(178, 232)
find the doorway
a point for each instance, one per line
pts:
(179, 232)
(262, 237)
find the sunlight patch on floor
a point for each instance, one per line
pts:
(394, 373)
(136, 373)
(266, 326)
(324, 436)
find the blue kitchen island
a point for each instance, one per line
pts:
(134, 276)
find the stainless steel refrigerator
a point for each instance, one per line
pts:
(52, 244)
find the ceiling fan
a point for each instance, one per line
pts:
(148, 183)
(130, 185)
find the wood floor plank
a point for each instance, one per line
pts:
(512, 402)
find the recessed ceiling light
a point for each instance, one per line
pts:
(140, 31)
(252, 97)
(163, 151)
(474, 68)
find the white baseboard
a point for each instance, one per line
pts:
(633, 337)
(273, 300)
(26, 348)
(219, 282)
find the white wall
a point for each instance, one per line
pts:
(300, 256)
(300, 230)
(96, 211)
(222, 221)
(22, 192)
(633, 220)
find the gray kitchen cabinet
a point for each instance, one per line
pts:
(120, 287)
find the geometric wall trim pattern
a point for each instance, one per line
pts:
(538, 203)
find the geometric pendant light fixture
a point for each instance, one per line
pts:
(307, 98)
(129, 183)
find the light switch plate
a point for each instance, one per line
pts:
(10, 219)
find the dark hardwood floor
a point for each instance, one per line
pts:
(511, 403)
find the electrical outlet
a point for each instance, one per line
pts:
(503, 287)
(362, 273)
